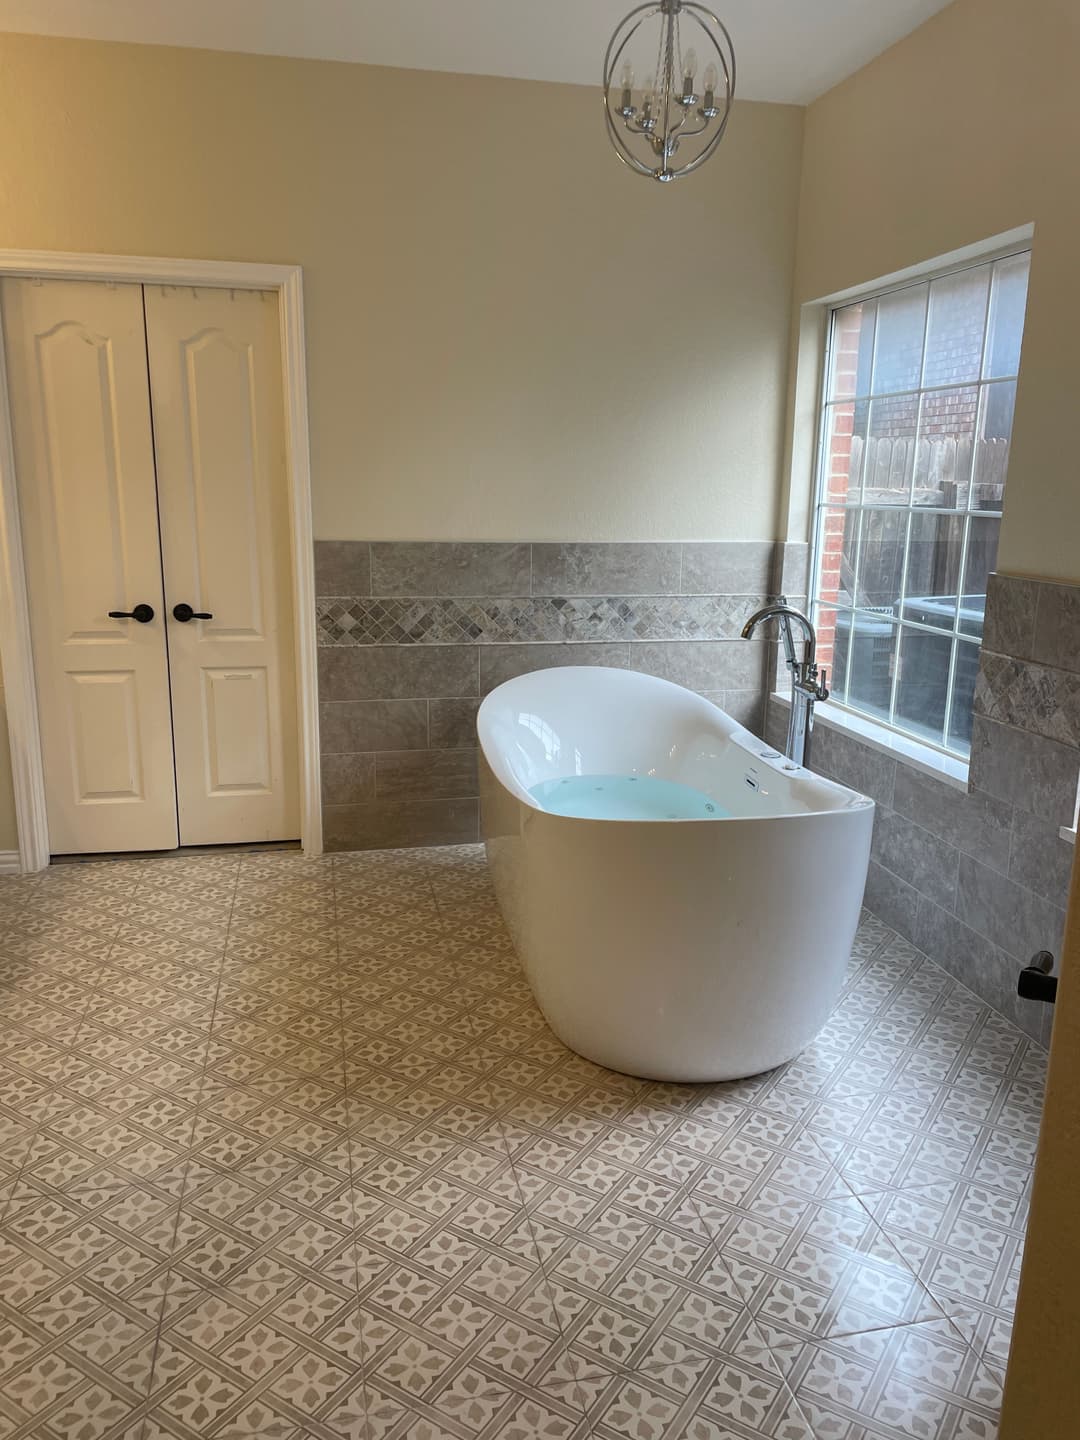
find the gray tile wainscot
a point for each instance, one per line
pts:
(413, 634)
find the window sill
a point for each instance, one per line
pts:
(946, 768)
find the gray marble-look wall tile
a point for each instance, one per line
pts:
(449, 568)
(978, 824)
(1036, 698)
(977, 963)
(346, 726)
(451, 724)
(1009, 626)
(776, 724)
(1013, 918)
(348, 779)
(704, 665)
(395, 824)
(426, 774)
(607, 569)
(342, 567)
(892, 900)
(746, 707)
(916, 856)
(1028, 771)
(791, 576)
(841, 757)
(728, 567)
(1057, 627)
(499, 663)
(397, 672)
(1041, 860)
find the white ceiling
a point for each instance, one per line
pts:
(788, 50)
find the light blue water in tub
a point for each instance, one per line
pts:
(625, 797)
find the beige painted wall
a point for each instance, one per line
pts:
(510, 336)
(967, 128)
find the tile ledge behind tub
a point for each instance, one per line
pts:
(949, 771)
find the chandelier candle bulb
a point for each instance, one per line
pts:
(688, 96)
(628, 108)
(673, 133)
(712, 79)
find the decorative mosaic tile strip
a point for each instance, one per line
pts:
(459, 621)
(1036, 698)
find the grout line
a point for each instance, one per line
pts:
(351, 1247)
(778, 1375)
(149, 1401)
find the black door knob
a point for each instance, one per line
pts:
(142, 613)
(183, 612)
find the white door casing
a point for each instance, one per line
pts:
(83, 445)
(219, 433)
(16, 652)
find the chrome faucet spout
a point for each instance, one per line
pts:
(786, 613)
(807, 686)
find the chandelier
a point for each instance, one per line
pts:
(666, 126)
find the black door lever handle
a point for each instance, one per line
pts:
(183, 612)
(142, 613)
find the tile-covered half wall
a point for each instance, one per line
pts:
(979, 880)
(413, 635)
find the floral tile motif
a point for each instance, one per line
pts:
(289, 1151)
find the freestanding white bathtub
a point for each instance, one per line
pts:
(671, 948)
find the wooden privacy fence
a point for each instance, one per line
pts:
(942, 466)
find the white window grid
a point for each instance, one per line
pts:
(822, 507)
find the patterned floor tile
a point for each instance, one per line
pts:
(287, 1151)
(917, 1380)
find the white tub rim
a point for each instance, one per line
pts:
(757, 750)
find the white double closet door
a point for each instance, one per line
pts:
(149, 450)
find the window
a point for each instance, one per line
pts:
(920, 383)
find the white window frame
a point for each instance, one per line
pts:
(893, 735)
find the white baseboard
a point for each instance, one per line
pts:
(9, 862)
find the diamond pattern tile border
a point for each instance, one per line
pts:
(442, 621)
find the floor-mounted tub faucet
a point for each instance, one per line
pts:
(807, 683)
